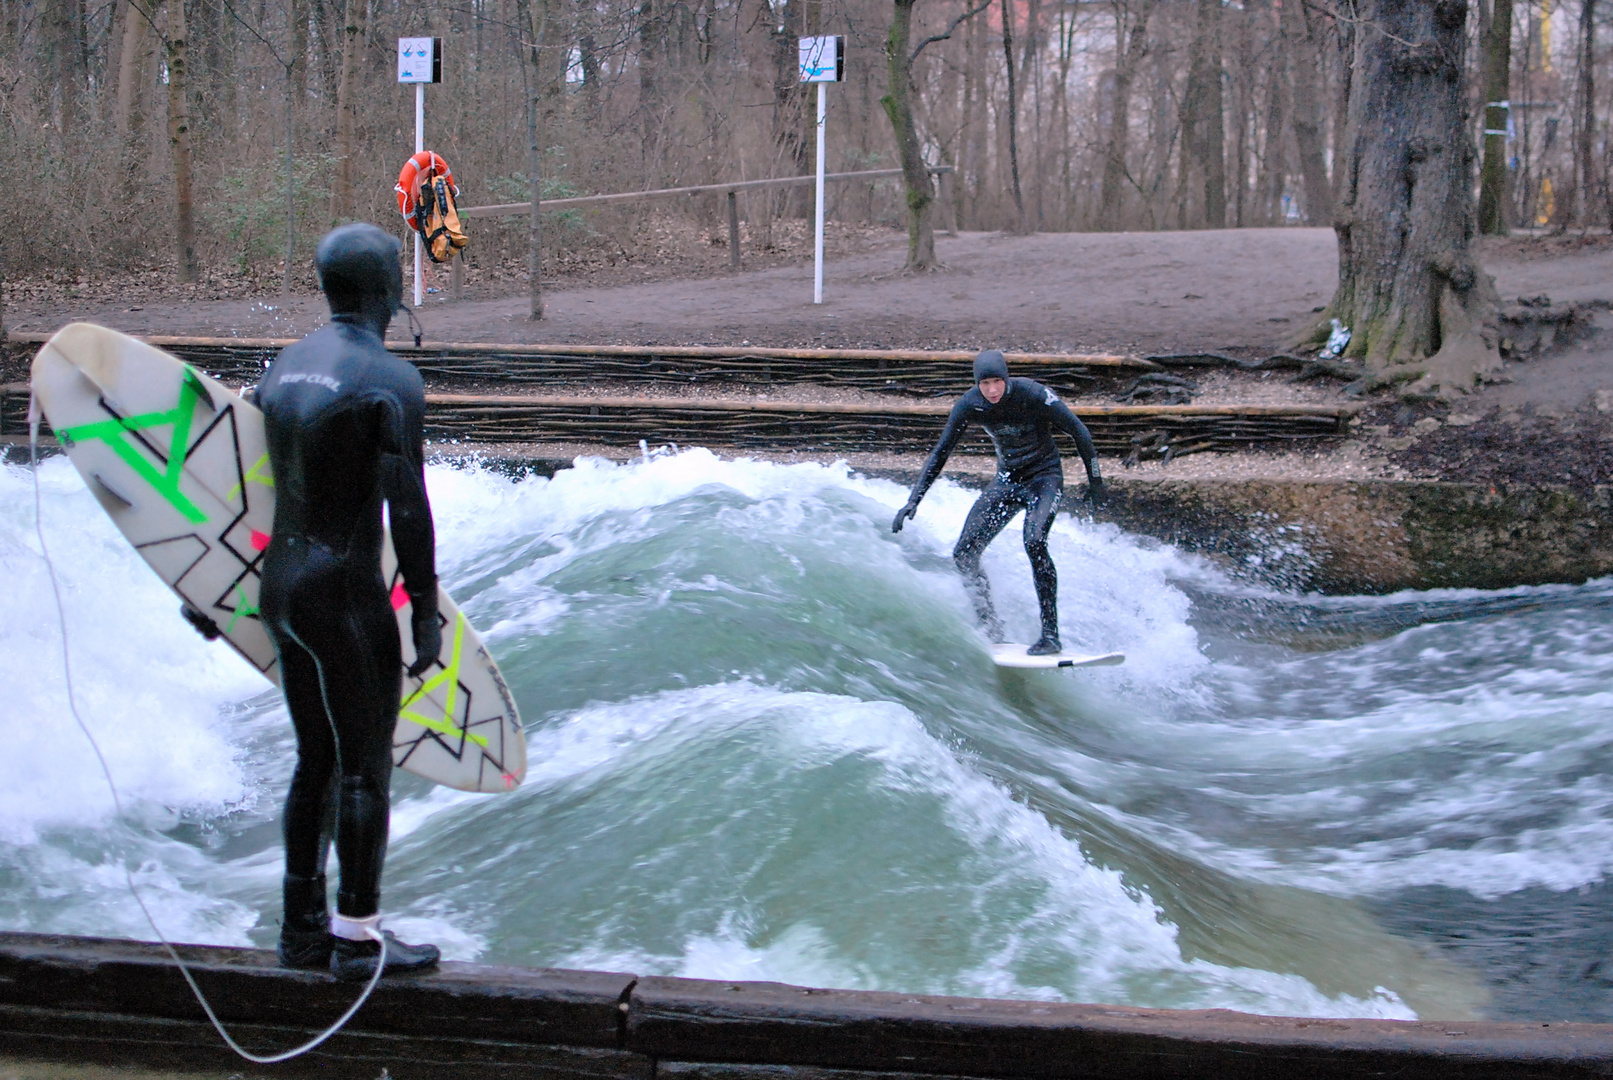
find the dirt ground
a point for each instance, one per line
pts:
(1238, 291)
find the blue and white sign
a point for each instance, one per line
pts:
(419, 60)
(823, 59)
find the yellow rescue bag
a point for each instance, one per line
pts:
(437, 219)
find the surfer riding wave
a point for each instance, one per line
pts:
(1020, 415)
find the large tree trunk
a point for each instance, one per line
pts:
(1496, 80)
(1344, 42)
(1418, 305)
(179, 137)
(898, 105)
(1304, 65)
(1130, 48)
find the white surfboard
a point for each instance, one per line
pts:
(182, 467)
(1014, 656)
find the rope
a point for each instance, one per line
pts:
(34, 414)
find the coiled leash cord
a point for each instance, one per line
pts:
(34, 415)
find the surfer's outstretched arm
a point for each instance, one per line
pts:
(957, 423)
(1069, 423)
(403, 482)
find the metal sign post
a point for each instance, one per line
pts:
(419, 62)
(822, 61)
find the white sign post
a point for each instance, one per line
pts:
(419, 62)
(822, 61)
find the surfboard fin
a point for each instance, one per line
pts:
(109, 496)
(199, 388)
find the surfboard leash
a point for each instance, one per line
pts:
(34, 416)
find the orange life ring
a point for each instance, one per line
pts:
(422, 167)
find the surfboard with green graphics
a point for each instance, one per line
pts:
(181, 465)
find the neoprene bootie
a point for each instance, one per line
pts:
(1047, 601)
(1046, 645)
(305, 938)
(355, 960)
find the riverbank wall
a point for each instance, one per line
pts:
(1333, 536)
(112, 1002)
(1348, 537)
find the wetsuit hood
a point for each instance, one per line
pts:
(990, 364)
(359, 270)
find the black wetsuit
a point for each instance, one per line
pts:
(345, 420)
(1029, 476)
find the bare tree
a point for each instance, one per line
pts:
(1304, 63)
(898, 104)
(65, 23)
(1585, 112)
(532, 28)
(1495, 82)
(352, 40)
(1013, 115)
(1131, 45)
(134, 62)
(1203, 159)
(177, 53)
(297, 54)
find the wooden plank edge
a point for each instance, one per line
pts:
(120, 993)
(123, 1040)
(515, 401)
(771, 1023)
(692, 352)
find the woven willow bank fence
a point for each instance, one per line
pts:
(519, 367)
(517, 415)
(1116, 429)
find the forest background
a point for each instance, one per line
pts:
(154, 133)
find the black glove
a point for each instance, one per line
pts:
(904, 514)
(1097, 491)
(204, 626)
(427, 643)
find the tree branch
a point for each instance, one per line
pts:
(932, 39)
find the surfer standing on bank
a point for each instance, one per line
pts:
(1020, 415)
(345, 422)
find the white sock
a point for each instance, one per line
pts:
(366, 929)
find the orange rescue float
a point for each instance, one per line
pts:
(426, 193)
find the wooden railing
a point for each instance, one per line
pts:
(731, 188)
